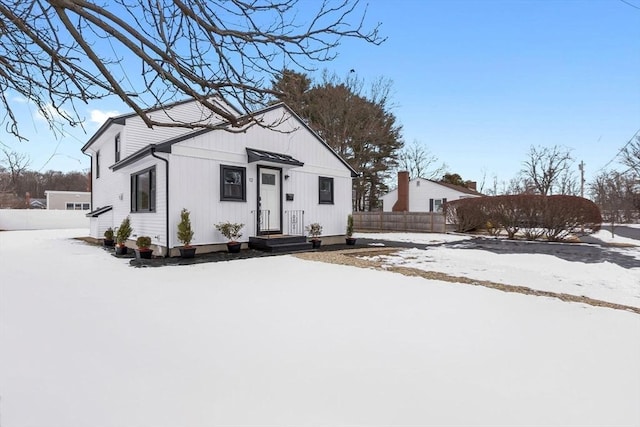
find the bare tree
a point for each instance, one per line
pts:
(16, 165)
(420, 162)
(631, 155)
(617, 196)
(57, 53)
(547, 168)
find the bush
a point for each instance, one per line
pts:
(143, 242)
(230, 230)
(124, 231)
(185, 233)
(554, 217)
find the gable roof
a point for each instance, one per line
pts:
(165, 146)
(121, 119)
(459, 188)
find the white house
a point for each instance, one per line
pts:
(423, 195)
(275, 181)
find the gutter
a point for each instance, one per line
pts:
(166, 182)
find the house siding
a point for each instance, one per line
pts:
(59, 199)
(138, 135)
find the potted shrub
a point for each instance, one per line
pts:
(231, 231)
(185, 235)
(314, 230)
(144, 243)
(122, 235)
(108, 237)
(350, 240)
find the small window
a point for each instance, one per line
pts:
(97, 164)
(70, 206)
(117, 147)
(232, 183)
(143, 191)
(325, 190)
(268, 179)
(86, 206)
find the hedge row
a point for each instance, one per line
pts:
(535, 216)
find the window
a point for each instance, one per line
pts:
(97, 164)
(75, 206)
(435, 205)
(143, 191)
(268, 179)
(232, 183)
(325, 190)
(117, 144)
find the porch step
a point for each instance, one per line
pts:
(280, 243)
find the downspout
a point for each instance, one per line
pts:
(166, 182)
(91, 175)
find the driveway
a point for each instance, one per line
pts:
(590, 251)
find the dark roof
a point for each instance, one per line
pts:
(459, 188)
(99, 211)
(165, 147)
(255, 155)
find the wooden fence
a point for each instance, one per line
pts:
(419, 222)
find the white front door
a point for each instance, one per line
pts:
(270, 200)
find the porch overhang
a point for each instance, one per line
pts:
(97, 212)
(255, 155)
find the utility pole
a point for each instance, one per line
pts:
(581, 167)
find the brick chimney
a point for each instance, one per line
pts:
(402, 204)
(472, 185)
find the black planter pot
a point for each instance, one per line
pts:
(316, 243)
(145, 253)
(234, 247)
(121, 250)
(189, 252)
(108, 243)
(350, 241)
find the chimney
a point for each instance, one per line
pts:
(402, 204)
(27, 197)
(472, 185)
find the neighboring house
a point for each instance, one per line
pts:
(423, 195)
(275, 181)
(68, 200)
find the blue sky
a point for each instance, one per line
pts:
(477, 82)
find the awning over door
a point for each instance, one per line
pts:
(97, 212)
(267, 156)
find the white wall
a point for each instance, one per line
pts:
(39, 219)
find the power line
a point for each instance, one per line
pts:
(630, 4)
(619, 151)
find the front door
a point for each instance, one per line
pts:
(269, 201)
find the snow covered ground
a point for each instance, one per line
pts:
(87, 340)
(604, 281)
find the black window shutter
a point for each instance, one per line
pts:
(430, 205)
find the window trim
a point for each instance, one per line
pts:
(152, 190)
(117, 147)
(330, 180)
(243, 183)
